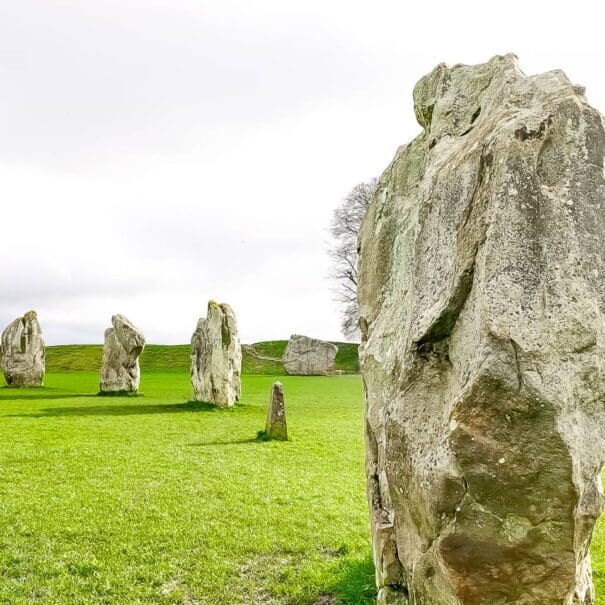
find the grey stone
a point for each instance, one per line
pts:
(23, 352)
(306, 356)
(216, 357)
(482, 313)
(123, 346)
(276, 427)
(388, 595)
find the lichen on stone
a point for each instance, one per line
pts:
(482, 264)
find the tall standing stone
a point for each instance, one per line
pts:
(123, 346)
(216, 357)
(23, 352)
(276, 427)
(306, 356)
(482, 307)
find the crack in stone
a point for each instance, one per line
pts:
(517, 363)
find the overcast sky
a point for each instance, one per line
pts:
(155, 154)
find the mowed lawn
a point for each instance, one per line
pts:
(157, 500)
(154, 499)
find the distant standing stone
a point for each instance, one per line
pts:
(123, 346)
(23, 352)
(216, 357)
(276, 427)
(306, 356)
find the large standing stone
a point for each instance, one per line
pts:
(23, 352)
(482, 306)
(276, 427)
(123, 346)
(216, 357)
(308, 356)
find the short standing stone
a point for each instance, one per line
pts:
(123, 346)
(306, 356)
(23, 352)
(276, 427)
(216, 357)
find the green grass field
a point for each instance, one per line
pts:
(156, 499)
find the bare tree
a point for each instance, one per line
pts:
(344, 228)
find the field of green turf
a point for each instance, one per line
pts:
(154, 499)
(597, 551)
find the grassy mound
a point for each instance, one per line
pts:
(347, 358)
(259, 358)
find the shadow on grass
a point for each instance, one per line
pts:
(355, 584)
(133, 409)
(14, 395)
(223, 442)
(120, 394)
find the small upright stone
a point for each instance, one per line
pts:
(216, 357)
(276, 427)
(23, 352)
(123, 346)
(306, 356)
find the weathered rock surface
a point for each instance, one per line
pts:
(306, 356)
(123, 346)
(23, 352)
(482, 306)
(276, 427)
(216, 357)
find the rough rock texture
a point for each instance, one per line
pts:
(276, 427)
(482, 306)
(23, 352)
(309, 357)
(123, 346)
(216, 357)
